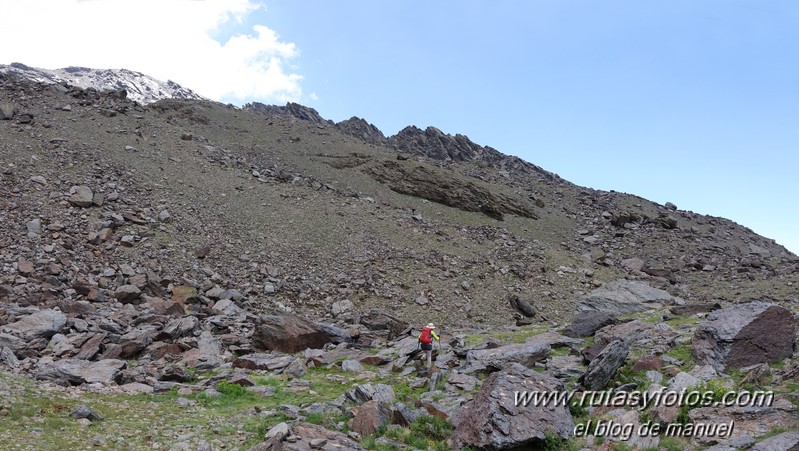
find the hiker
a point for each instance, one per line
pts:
(426, 342)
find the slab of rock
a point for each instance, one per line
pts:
(692, 309)
(381, 320)
(7, 111)
(744, 335)
(604, 366)
(12, 342)
(490, 360)
(404, 415)
(77, 372)
(440, 187)
(207, 355)
(788, 441)
(8, 358)
(585, 324)
(41, 324)
(368, 392)
(260, 361)
(493, 420)
(289, 333)
(750, 420)
(341, 307)
(87, 412)
(622, 296)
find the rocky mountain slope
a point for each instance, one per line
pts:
(168, 246)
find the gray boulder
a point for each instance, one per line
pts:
(368, 392)
(752, 420)
(77, 372)
(585, 324)
(787, 440)
(81, 196)
(744, 335)
(41, 324)
(490, 360)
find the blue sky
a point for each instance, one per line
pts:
(692, 102)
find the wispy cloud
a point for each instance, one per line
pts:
(166, 39)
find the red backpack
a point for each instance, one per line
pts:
(426, 337)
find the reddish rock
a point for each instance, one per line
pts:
(369, 416)
(744, 335)
(289, 333)
(184, 294)
(25, 267)
(647, 363)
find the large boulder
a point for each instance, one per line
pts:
(264, 362)
(495, 420)
(369, 416)
(622, 296)
(585, 324)
(41, 324)
(490, 360)
(289, 333)
(207, 355)
(77, 371)
(379, 320)
(744, 335)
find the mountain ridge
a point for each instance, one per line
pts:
(138, 86)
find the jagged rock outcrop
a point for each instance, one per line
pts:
(437, 186)
(290, 109)
(433, 143)
(362, 130)
(489, 360)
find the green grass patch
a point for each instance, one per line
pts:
(682, 353)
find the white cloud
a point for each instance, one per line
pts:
(167, 39)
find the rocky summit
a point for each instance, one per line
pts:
(183, 274)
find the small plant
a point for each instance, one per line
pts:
(553, 442)
(230, 389)
(713, 391)
(577, 410)
(432, 427)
